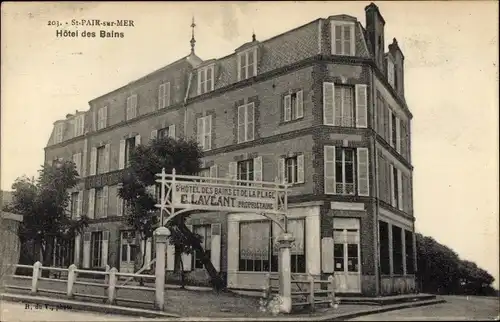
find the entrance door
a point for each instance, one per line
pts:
(346, 254)
(127, 252)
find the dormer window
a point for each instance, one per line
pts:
(390, 72)
(247, 64)
(58, 137)
(343, 39)
(205, 79)
(79, 124)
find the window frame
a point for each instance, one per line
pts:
(164, 95)
(196, 261)
(101, 118)
(93, 241)
(340, 120)
(128, 150)
(100, 166)
(250, 171)
(351, 51)
(206, 136)
(59, 133)
(131, 107)
(246, 123)
(243, 63)
(343, 183)
(206, 76)
(295, 165)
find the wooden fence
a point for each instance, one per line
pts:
(308, 292)
(110, 285)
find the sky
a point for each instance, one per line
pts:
(451, 87)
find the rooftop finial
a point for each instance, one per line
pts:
(253, 35)
(193, 41)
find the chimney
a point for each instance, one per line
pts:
(375, 31)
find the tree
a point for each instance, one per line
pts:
(44, 205)
(145, 162)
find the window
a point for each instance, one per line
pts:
(293, 106)
(246, 122)
(394, 130)
(338, 105)
(258, 248)
(168, 131)
(101, 163)
(205, 79)
(77, 160)
(79, 124)
(59, 128)
(205, 232)
(74, 204)
(164, 95)
(204, 132)
(131, 107)
(129, 147)
(96, 246)
(396, 187)
(291, 170)
(343, 38)
(102, 115)
(344, 106)
(99, 205)
(383, 231)
(344, 171)
(410, 269)
(397, 250)
(245, 171)
(247, 64)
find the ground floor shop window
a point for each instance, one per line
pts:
(259, 250)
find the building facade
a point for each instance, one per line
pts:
(321, 107)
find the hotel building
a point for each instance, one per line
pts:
(321, 107)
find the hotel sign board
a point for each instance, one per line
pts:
(199, 195)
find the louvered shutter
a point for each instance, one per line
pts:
(208, 132)
(257, 169)
(171, 131)
(361, 106)
(329, 164)
(199, 132)
(119, 202)
(398, 135)
(154, 134)
(241, 123)
(93, 161)
(233, 170)
(363, 181)
(400, 190)
(215, 247)
(393, 194)
(161, 96)
(105, 247)
(299, 109)
(328, 103)
(80, 204)
(105, 116)
(76, 260)
(105, 201)
(107, 157)
(86, 250)
(287, 108)
(281, 170)
(91, 205)
(121, 161)
(187, 258)
(250, 135)
(300, 168)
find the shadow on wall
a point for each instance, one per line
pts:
(10, 245)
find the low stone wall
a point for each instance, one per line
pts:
(9, 245)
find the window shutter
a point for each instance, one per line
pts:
(187, 258)
(333, 39)
(199, 131)
(329, 164)
(214, 171)
(239, 66)
(212, 78)
(363, 181)
(300, 168)
(328, 103)
(105, 116)
(200, 73)
(93, 161)
(161, 95)
(390, 127)
(241, 123)
(400, 190)
(299, 111)
(137, 139)
(215, 247)
(86, 250)
(398, 135)
(105, 200)
(171, 131)
(154, 134)
(79, 204)
(257, 169)
(250, 122)
(121, 160)
(281, 170)
(233, 170)
(361, 106)
(208, 131)
(288, 108)
(76, 251)
(105, 247)
(134, 99)
(167, 94)
(393, 194)
(119, 202)
(90, 211)
(107, 156)
(352, 50)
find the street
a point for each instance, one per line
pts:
(455, 308)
